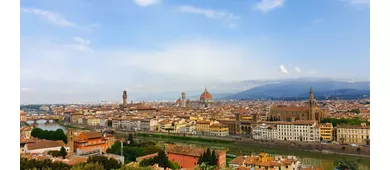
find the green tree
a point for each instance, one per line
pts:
(88, 166)
(208, 156)
(110, 163)
(213, 160)
(63, 152)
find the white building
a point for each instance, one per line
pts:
(265, 132)
(44, 146)
(300, 130)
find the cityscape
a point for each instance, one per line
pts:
(197, 85)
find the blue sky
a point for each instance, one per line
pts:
(90, 50)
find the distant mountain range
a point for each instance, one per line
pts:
(298, 89)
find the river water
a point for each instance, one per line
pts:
(326, 161)
(47, 125)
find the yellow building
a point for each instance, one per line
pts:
(353, 134)
(92, 121)
(203, 127)
(326, 131)
(219, 130)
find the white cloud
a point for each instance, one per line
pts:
(56, 18)
(81, 41)
(297, 69)
(212, 14)
(268, 5)
(144, 3)
(283, 69)
(80, 45)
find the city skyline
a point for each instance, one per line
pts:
(73, 49)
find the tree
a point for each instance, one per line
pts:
(347, 165)
(49, 135)
(130, 138)
(213, 160)
(88, 166)
(107, 163)
(161, 159)
(63, 152)
(208, 156)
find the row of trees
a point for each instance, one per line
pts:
(49, 134)
(335, 122)
(96, 162)
(208, 158)
(161, 159)
(42, 164)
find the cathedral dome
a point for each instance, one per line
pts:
(205, 95)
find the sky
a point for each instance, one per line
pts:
(91, 50)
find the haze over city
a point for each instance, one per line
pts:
(81, 51)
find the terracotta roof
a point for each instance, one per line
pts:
(77, 159)
(92, 135)
(187, 150)
(205, 95)
(139, 159)
(239, 160)
(45, 144)
(353, 126)
(290, 109)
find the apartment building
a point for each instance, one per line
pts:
(265, 132)
(326, 131)
(300, 130)
(353, 134)
(219, 130)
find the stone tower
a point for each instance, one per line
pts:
(183, 99)
(312, 105)
(124, 96)
(70, 140)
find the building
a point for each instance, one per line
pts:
(124, 97)
(145, 125)
(264, 161)
(93, 121)
(203, 127)
(44, 146)
(126, 124)
(206, 98)
(265, 132)
(353, 134)
(326, 131)
(188, 129)
(187, 157)
(288, 113)
(219, 130)
(240, 126)
(300, 130)
(90, 142)
(23, 116)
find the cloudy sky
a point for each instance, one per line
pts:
(90, 50)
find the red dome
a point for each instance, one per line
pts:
(206, 95)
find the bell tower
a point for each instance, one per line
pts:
(312, 105)
(124, 96)
(70, 136)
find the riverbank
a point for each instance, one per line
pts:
(329, 149)
(71, 126)
(201, 139)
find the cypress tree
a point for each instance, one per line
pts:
(208, 156)
(213, 158)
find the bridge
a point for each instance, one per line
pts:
(35, 118)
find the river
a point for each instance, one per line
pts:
(47, 125)
(326, 161)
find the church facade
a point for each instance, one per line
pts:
(283, 113)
